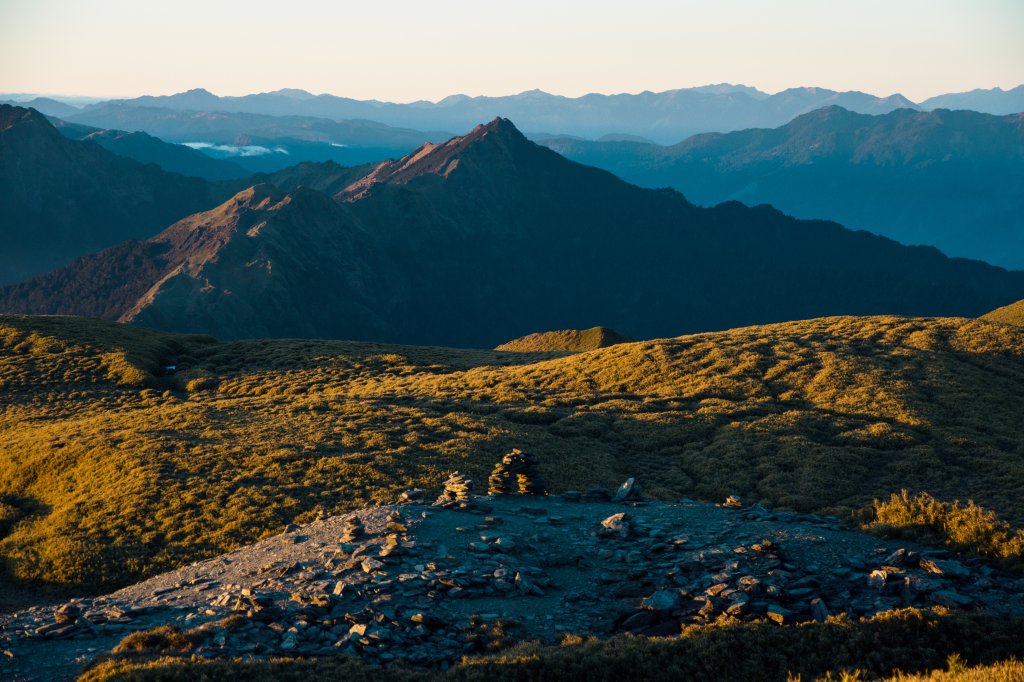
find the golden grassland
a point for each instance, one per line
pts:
(110, 472)
(569, 340)
(1010, 314)
(906, 645)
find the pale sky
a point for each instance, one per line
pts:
(402, 50)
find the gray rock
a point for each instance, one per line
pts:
(819, 610)
(945, 567)
(628, 491)
(661, 601)
(617, 525)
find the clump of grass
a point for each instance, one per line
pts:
(166, 639)
(1011, 670)
(961, 527)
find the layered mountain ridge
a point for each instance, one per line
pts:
(945, 178)
(487, 237)
(666, 116)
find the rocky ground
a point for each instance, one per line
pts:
(428, 584)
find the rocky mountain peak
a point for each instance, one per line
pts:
(493, 139)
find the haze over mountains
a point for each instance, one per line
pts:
(664, 117)
(487, 237)
(951, 179)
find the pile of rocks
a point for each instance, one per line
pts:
(457, 489)
(516, 473)
(352, 530)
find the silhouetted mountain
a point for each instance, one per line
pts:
(488, 236)
(46, 105)
(993, 101)
(259, 142)
(663, 116)
(145, 148)
(950, 179)
(61, 198)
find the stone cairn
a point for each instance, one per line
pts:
(457, 490)
(516, 473)
(353, 529)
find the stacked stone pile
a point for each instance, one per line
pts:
(457, 489)
(353, 530)
(516, 473)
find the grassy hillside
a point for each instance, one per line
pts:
(109, 472)
(570, 340)
(1010, 314)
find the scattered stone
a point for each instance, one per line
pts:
(629, 491)
(661, 601)
(67, 613)
(413, 495)
(947, 567)
(819, 610)
(617, 525)
(407, 593)
(951, 599)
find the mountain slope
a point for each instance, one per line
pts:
(61, 198)
(489, 236)
(115, 471)
(571, 340)
(1010, 314)
(175, 158)
(945, 178)
(228, 269)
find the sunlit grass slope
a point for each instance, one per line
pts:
(570, 340)
(109, 472)
(1010, 314)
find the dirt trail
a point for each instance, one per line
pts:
(427, 585)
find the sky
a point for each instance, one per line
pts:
(401, 50)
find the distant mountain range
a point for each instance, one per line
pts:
(664, 117)
(991, 101)
(951, 179)
(487, 237)
(260, 142)
(61, 198)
